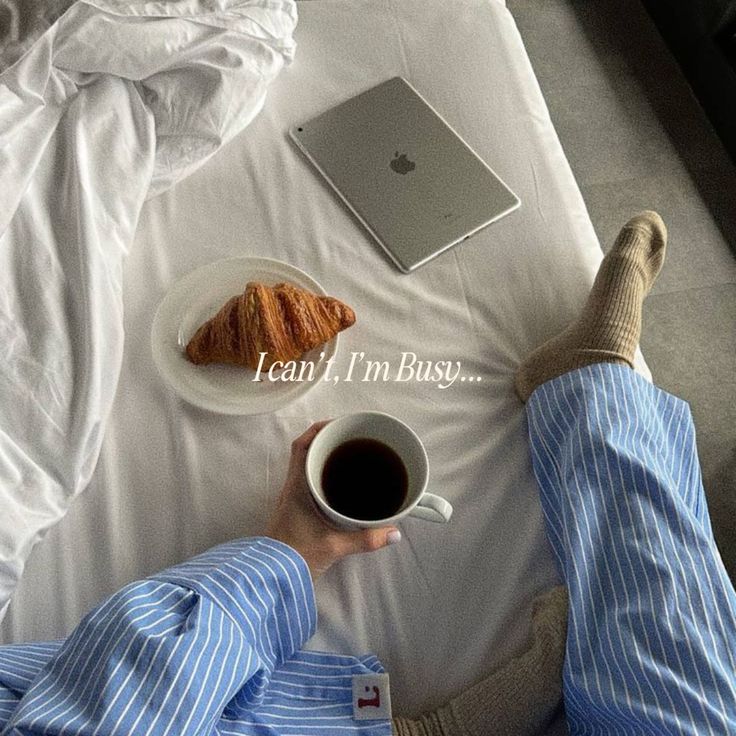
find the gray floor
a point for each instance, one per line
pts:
(637, 139)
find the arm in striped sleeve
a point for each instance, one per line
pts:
(172, 653)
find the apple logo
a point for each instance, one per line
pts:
(401, 164)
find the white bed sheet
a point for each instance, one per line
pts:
(450, 601)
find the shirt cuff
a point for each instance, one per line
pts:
(259, 581)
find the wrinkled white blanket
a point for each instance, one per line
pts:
(112, 104)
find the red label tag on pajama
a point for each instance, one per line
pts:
(371, 697)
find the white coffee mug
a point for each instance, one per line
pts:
(403, 441)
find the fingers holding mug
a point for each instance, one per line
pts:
(299, 522)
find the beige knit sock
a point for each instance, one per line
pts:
(518, 699)
(609, 326)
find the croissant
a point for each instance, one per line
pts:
(283, 321)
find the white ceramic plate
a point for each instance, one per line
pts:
(224, 388)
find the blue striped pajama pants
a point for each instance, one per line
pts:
(652, 625)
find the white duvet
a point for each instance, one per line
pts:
(111, 105)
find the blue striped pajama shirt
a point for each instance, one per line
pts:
(212, 646)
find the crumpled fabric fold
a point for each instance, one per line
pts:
(112, 104)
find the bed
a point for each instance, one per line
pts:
(172, 479)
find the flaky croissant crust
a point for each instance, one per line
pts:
(284, 321)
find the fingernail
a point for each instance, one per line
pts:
(393, 537)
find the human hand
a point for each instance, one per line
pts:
(297, 521)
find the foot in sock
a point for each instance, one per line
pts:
(609, 326)
(518, 699)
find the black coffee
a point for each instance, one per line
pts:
(365, 479)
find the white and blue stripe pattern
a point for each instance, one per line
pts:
(211, 646)
(652, 625)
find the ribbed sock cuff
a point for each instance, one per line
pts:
(426, 725)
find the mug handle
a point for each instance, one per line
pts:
(432, 508)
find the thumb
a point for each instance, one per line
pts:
(370, 540)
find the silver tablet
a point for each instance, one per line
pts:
(405, 173)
